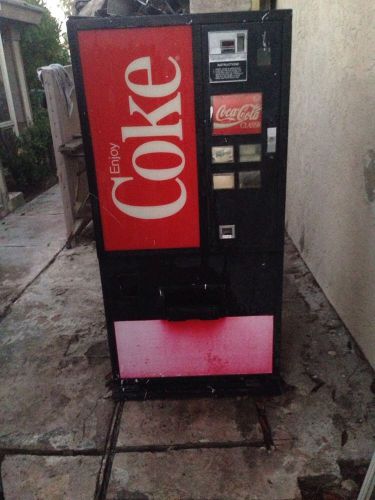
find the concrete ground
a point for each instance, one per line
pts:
(60, 431)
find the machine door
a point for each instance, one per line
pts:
(242, 86)
(140, 106)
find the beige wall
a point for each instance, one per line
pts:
(204, 6)
(331, 165)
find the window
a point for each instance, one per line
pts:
(4, 108)
(7, 111)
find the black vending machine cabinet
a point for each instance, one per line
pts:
(185, 125)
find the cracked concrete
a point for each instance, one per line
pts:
(185, 422)
(54, 401)
(57, 478)
(246, 473)
(53, 390)
(30, 238)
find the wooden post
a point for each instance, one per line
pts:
(4, 196)
(70, 166)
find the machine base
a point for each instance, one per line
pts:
(196, 387)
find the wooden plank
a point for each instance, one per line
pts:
(73, 147)
(67, 144)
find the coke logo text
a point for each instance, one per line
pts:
(155, 144)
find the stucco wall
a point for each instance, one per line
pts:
(331, 176)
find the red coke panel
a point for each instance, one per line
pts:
(140, 99)
(235, 114)
(241, 345)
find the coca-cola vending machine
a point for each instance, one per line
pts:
(185, 122)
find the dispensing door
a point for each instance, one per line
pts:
(242, 81)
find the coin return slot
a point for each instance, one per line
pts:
(194, 300)
(227, 232)
(223, 181)
(250, 153)
(250, 179)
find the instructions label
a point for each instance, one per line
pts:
(227, 56)
(228, 71)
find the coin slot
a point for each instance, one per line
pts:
(240, 42)
(271, 139)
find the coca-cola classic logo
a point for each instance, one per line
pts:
(237, 111)
(227, 117)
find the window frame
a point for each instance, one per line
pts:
(12, 123)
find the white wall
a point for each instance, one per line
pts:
(331, 178)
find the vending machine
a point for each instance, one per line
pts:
(185, 125)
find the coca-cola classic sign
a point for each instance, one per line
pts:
(234, 114)
(140, 98)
